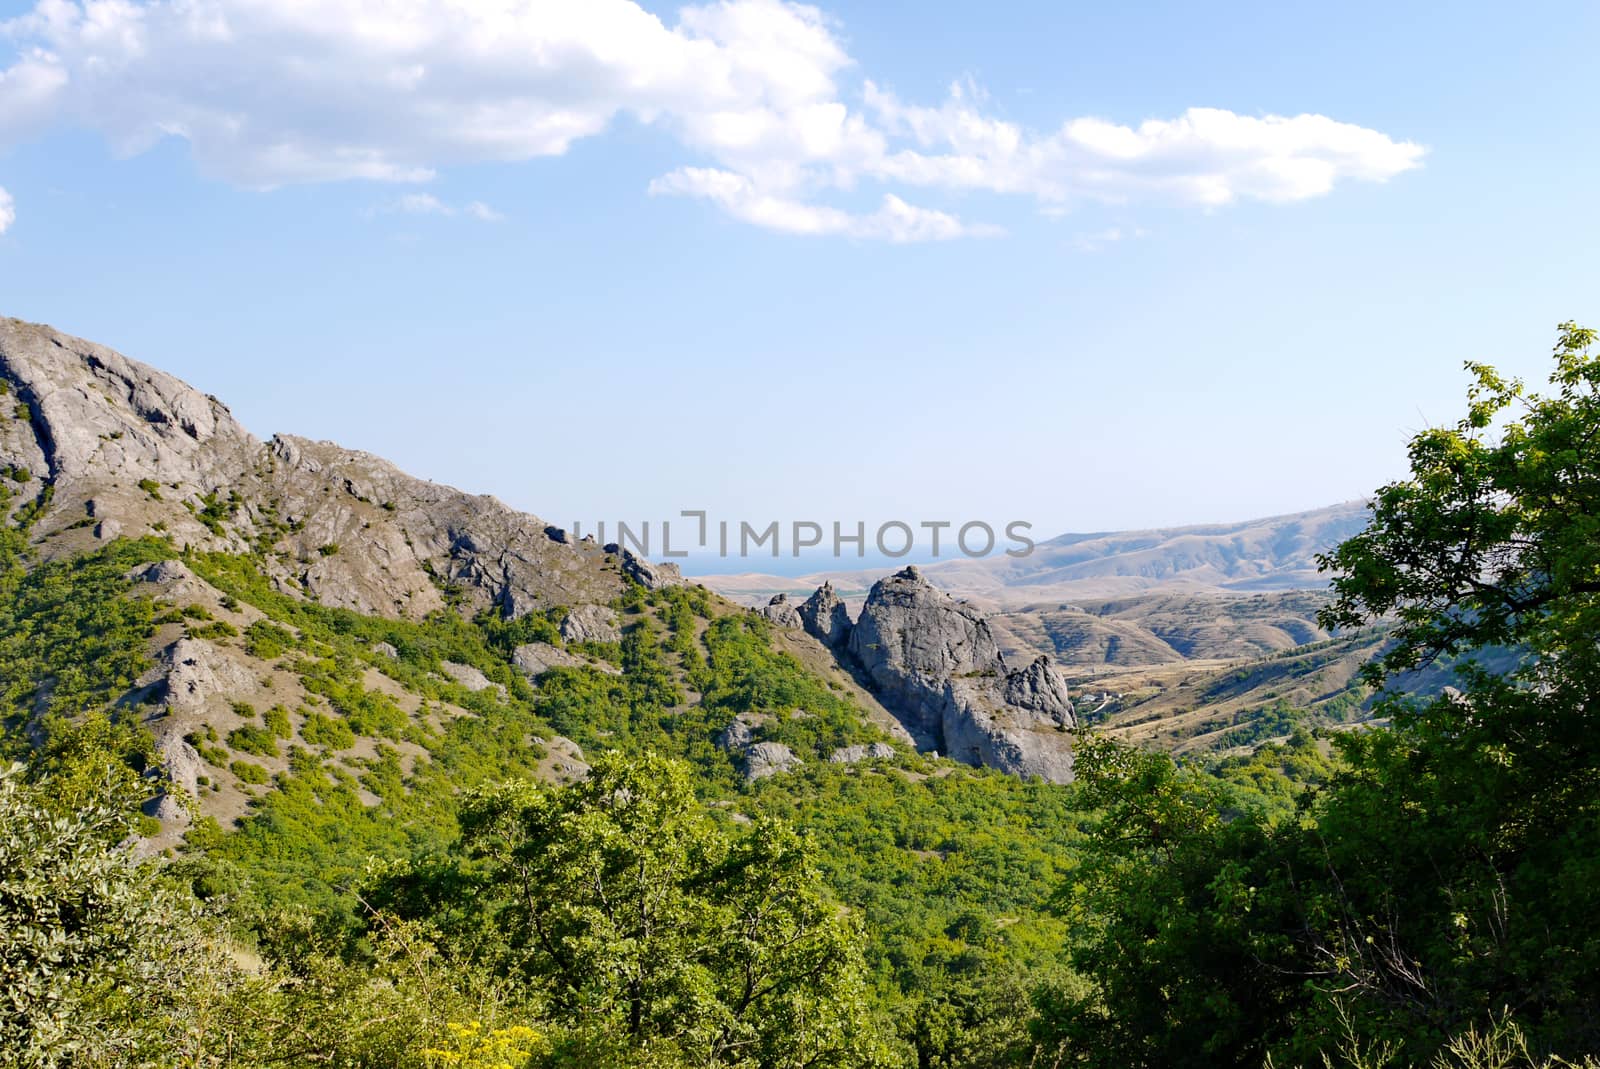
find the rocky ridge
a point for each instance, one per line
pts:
(934, 662)
(136, 451)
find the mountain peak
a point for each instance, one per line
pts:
(95, 436)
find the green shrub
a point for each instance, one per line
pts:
(320, 730)
(254, 740)
(267, 640)
(214, 630)
(249, 772)
(277, 721)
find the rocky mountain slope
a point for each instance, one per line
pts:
(138, 452)
(285, 601)
(288, 619)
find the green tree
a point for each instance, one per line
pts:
(1449, 872)
(1467, 839)
(1494, 538)
(102, 963)
(656, 936)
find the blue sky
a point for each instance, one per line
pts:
(612, 262)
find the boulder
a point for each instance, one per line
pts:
(536, 658)
(737, 737)
(470, 677)
(590, 623)
(849, 755)
(768, 759)
(825, 617)
(781, 612)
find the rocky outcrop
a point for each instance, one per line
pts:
(177, 777)
(536, 658)
(768, 759)
(93, 414)
(826, 618)
(471, 678)
(591, 623)
(781, 611)
(193, 671)
(759, 759)
(651, 576)
(738, 736)
(849, 755)
(934, 662)
(137, 452)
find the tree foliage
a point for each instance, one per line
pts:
(1449, 873)
(654, 935)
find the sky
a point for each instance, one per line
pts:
(1089, 266)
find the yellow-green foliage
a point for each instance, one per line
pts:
(472, 1046)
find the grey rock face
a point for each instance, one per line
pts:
(849, 755)
(1039, 688)
(95, 413)
(179, 772)
(934, 662)
(768, 759)
(591, 623)
(536, 658)
(781, 611)
(738, 735)
(146, 450)
(652, 576)
(195, 670)
(191, 672)
(470, 677)
(825, 617)
(174, 577)
(760, 759)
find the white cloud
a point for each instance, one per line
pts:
(269, 92)
(744, 199)
(1206, 156)
(8, 211)
(428, 204)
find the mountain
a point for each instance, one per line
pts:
(1277, 553)
(138, 452)
(264, 611)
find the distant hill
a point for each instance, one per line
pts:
(1277, 553)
